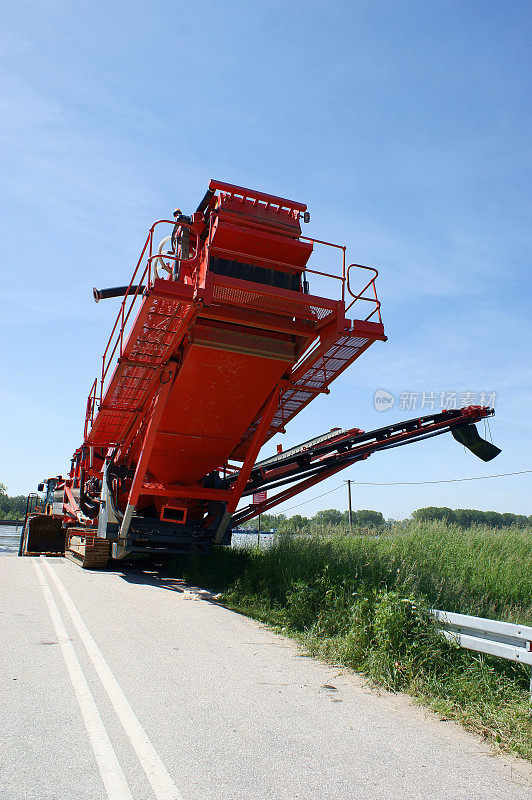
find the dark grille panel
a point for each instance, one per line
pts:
(255, 274)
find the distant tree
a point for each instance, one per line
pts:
(11, 507)
(493, 519)
(329, 516)
(269, 521)
(365, 518)
(298, 523)
(434, 514)
(466, 517)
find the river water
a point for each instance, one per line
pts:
(9, 538)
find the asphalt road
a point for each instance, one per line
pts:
(131, 686)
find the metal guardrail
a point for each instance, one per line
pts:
(503, 639)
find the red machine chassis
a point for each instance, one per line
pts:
(205, 365)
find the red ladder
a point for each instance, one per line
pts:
(156, 333)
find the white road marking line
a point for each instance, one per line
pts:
(156, 773)
(112, 776)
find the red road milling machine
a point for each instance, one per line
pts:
(218, 343)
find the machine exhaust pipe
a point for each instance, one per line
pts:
(116, 291)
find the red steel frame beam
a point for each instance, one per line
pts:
(293, 490)
(71, 508)
(178, 492)
(145, 453)
(256, 443)
(259, 319)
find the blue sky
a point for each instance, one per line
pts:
(405, 126)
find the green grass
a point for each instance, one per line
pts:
(363, 601)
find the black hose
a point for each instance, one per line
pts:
(116, 291)
(87, 504)
(90, 507)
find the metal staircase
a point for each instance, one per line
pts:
(157, 334)
(316, 372)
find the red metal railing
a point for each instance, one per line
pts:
(115, 343)
(360, 296)
(344, 277)
(346, 284)
(328, 274)
(143, 275)
(91, 405)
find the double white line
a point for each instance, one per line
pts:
(112, 775)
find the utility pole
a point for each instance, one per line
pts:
(350, 511)
(258, 533)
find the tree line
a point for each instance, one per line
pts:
(328, 518)
(466, 517)
(364, 518)
(11, 507)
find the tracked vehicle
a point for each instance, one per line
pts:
(233, 321)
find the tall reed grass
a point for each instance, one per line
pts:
(363, 601)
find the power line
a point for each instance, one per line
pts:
(313, 498)
(449, 480)
(412, 483)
